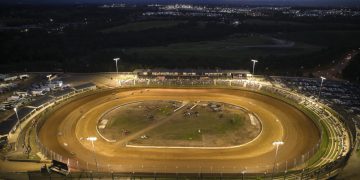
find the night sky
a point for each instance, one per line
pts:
(353, 3)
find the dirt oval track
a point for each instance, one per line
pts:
(65, 129)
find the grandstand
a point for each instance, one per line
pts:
(11, 124)
(191, 73)
(85, 87)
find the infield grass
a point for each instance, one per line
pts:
(135, 116)
(203, 126)
(188, 128)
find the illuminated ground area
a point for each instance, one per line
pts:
(188, 124)
(79, 119)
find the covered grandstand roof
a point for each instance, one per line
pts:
(39, 102)
(9, 123)
(62, 93)
(84, 86)
(191, 70)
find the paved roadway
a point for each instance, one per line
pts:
(280, 121)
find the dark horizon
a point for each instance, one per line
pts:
(306, 3)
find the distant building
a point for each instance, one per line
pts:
(6, 77)
(55, 84)
(10, 78)
(37, 92)
(2, 77)
(21, 93)
(23, 76)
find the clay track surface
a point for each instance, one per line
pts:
(78, 119)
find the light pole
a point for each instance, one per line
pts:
(116, 60)
(49, 78)
(254, 62)
(17, 116)
(322, 80)
(92, 139)
(277, 144)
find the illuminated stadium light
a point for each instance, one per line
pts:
(116, 60)
(277, 144)
(49, 77)
(254, 62)
(322, 80)
(92, 139)
(17, 116)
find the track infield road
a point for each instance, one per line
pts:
(65, 130)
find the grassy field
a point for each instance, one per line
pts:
(347, 39)
(234, 49)
(140, 26)
(207, 123)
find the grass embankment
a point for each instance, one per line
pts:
(332, 38)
